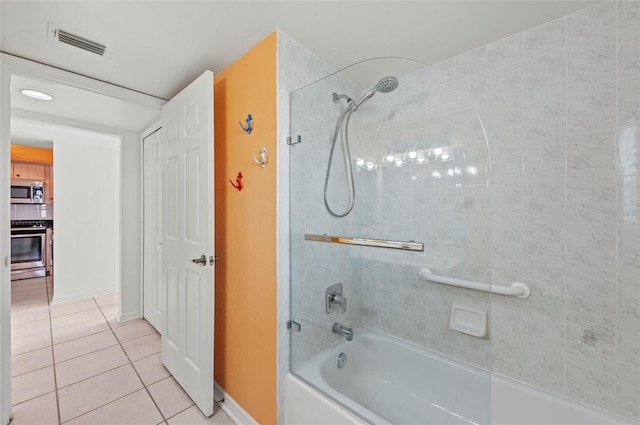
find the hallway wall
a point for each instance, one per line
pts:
(87, 246)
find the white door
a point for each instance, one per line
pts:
(187, 199)
(153, 300)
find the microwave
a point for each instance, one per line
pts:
(27, 192)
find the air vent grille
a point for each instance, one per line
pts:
(81, 42)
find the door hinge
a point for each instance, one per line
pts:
(293, 325)
(291, 142)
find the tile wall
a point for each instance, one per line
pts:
(31, 211)
(560, 104)
(561, 108)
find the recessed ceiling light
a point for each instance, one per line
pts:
(34, 94)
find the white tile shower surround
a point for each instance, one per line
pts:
(561, 107)
(72, 363)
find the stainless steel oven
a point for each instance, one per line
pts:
(28, 252)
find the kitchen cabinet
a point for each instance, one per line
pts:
(26, 171)
(48, 179)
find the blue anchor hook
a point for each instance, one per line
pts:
(249, 126)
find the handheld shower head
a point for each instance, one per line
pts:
(385, 85)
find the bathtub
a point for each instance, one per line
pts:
(386, 380)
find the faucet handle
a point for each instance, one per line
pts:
(334, 298)
(337, 298)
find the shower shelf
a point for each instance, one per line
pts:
(517, 289)
(379, 243)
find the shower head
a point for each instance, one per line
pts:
(385, 85)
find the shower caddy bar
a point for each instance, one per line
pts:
(517, 289)
(380, 243)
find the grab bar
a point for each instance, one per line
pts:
(517, 289)
(380, 243)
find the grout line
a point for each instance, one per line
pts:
(93, 376)
(616, 222)
(32, 398)
(144, 385)
(53, 357)
(101, 406)
(34, 370)
(90, 352)
(121, 366)
(566, 201)
(119, 343)
(80, 337)
(182, 411)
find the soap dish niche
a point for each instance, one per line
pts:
(468, 321)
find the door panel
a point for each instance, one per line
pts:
(187, 344)
(172, 196)
(192, 195)
(173, 295)
(192, 341)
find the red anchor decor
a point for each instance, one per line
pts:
(238, 183)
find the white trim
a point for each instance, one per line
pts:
(232, 408)
(155, 126)
(128, 316)
(20, 66)
(80, 296)
(5, 245)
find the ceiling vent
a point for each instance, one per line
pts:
(66, 37)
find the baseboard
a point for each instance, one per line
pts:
(128, 316)
(232, 408)
(80, 296)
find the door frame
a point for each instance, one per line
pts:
(9, 66)
(148, 131)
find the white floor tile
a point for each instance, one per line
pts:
(135, 409)
(42, 410)
(87, 395)
(32, 384)
(89, 365)
(33, 360)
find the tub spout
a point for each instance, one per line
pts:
(342, 330)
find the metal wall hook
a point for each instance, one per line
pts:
(263, 155)
(249, 127)
(238, 184)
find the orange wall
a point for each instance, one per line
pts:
(245, 317)
(31, 154)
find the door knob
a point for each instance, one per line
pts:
(202, 260)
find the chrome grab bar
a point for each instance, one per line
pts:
(380, 243)
(517, 289)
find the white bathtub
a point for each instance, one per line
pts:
(389, 381)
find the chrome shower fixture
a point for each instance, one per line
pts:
(385, 85)
(336, 98)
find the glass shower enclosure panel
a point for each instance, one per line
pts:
(410, 171)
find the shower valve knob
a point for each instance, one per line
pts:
(335, 301)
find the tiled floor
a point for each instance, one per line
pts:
(72, 363)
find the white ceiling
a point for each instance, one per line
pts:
(158, 47)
